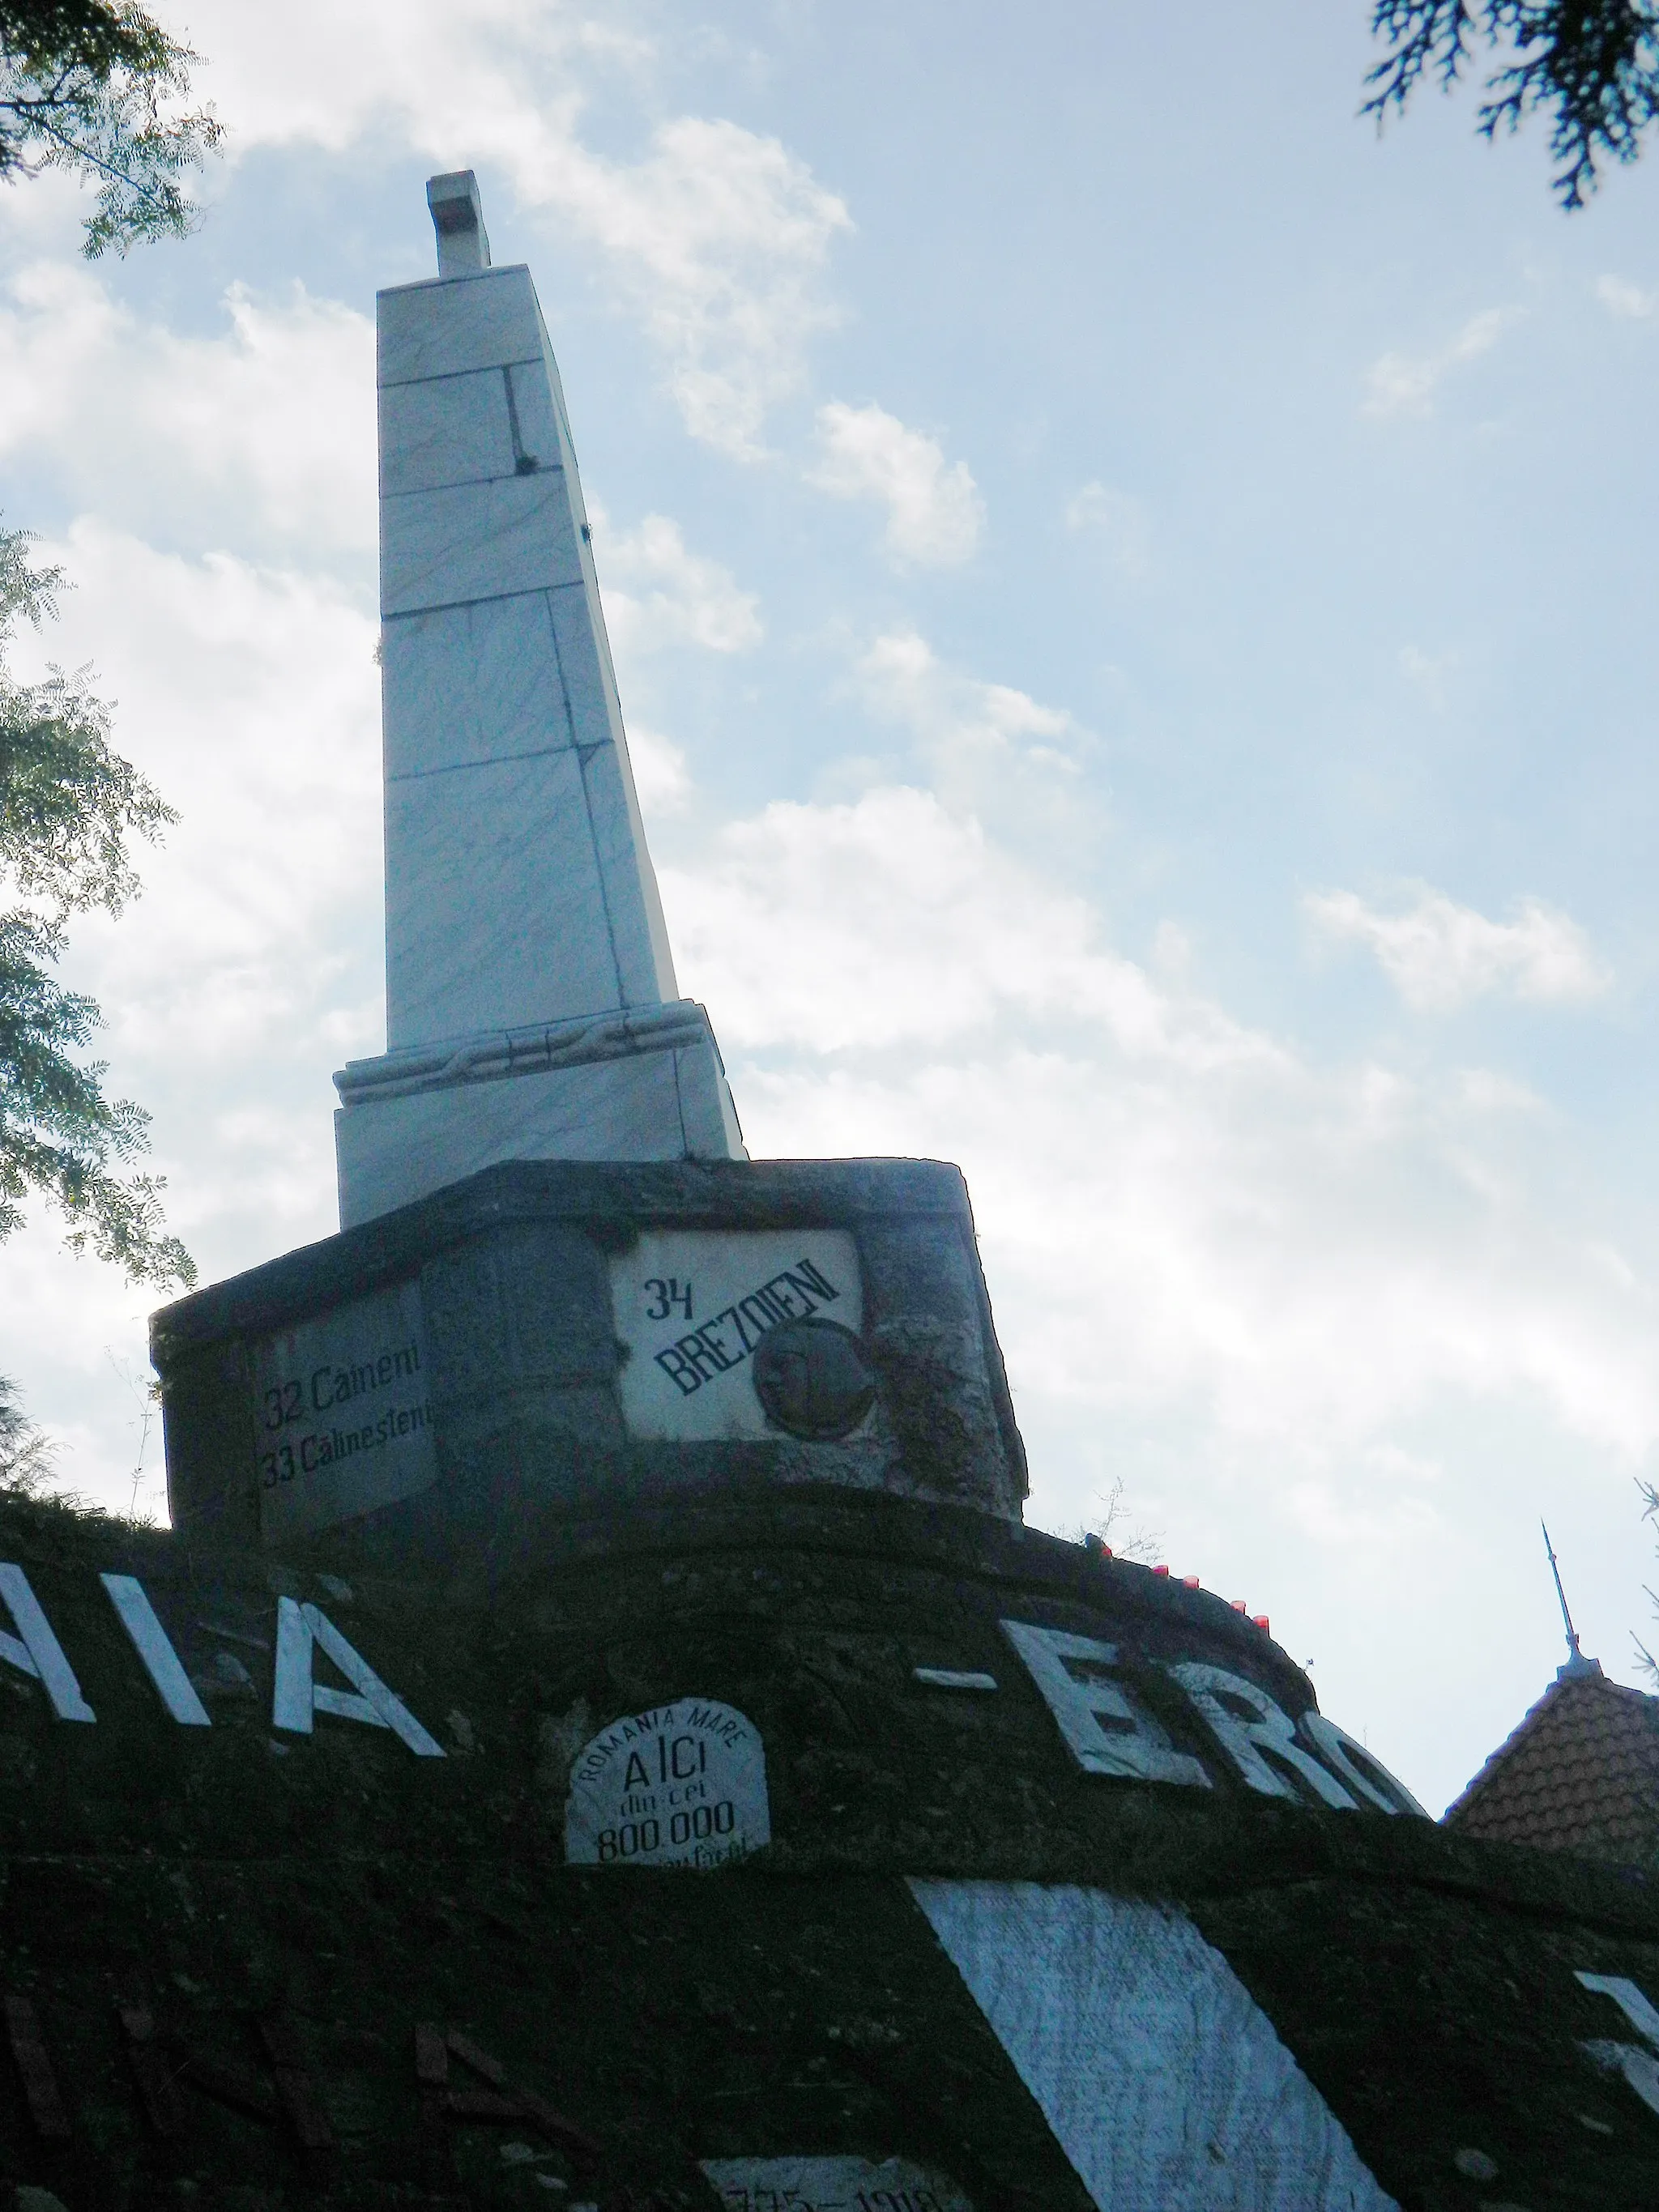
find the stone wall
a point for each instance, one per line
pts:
(295, 1956)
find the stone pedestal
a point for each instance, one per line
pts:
(646, 1084)
(552, 1337)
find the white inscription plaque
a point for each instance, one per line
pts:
(679, 1786)
(831, 2184)
(692, 1305)
(341, 1420)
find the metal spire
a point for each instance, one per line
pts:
(1576, 1662)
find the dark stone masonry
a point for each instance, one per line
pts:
(254, 1967)
(510, 1290)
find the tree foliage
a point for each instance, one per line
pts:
(68, 804)
(1592, 66)
(97, 88)
(27, 1452)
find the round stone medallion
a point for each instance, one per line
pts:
(813, 1380)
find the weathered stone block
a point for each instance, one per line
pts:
(457, 1372)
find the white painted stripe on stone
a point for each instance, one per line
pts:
(953, 1678)
(1162, 2080)
(161, 1663)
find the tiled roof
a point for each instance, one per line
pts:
(1581, 1774)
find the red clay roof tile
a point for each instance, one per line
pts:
(1580, 1774)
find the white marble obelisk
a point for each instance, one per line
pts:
(531, 1011)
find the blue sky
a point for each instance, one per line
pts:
(1130, 596)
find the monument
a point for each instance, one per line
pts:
(531, 1011)
(598, 1731)
(625, 1305)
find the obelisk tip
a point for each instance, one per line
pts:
(458, 218)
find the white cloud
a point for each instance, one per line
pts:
(1184, 1219)
(658, 593)
(1273, 1295)
(1439, 955)
(715, 236)
(982, 742)
(942, 949)
(1404, 384)
(660, 775)
(264, 431)
(723, 234)
(251, 964)
(1429, 671)
(1117, 522)
(935, 515)
(249, 967)
(1622, 298)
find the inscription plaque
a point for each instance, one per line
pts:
(693, 1308)
(342, 1417)
(831, 2184)
(679, 1786)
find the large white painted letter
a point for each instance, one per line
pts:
(35, 1651)
(1106, 1733)
(300, 1629)
(1636, 2007)
(153, 1645)
(1262, 1725)
(1361, 1769)
(1637, 2066)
